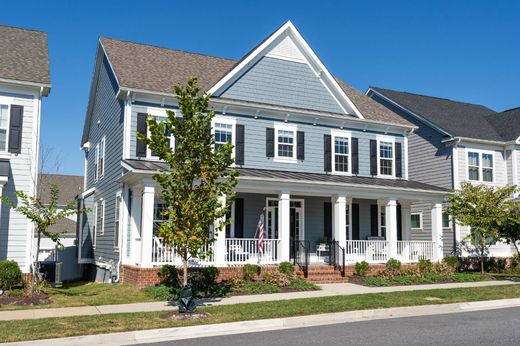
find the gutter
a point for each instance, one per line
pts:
(473, 140)
(45, 88)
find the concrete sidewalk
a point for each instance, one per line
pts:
(327, 291)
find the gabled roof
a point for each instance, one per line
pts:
(24, 56)
(140, 67)
(506, 123)
(70, 186)
(457, 119)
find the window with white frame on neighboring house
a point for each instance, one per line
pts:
(101, 158)
(101, 218)
(445, 220)
(386, 158)
(416, 221)
(341, 154)
(4, 126)
(117, 219)
(480, 166)
(94, 226)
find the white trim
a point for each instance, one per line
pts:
(481, 167)
(514, 166)
(343, 134)
(221, 119)
(294, 130)
(158, 113)
(102, 231)
(455, 162)
(118, 219)
(386, 139)
(87, 193)
(7, 101)
(96, 174)
(95, 230)
(102, 157)
(127, 127)
(301, 232)
(420, 220)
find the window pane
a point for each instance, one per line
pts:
(385, 167)
(487, 174)
(473, 173)
(341, 145)
(386, 150)
(4, 116)
(473, 159)
(3, 139)
(445, 220)
(487, 160)
(341, 163)
(223, 134)
(285, 143)
(415, 221)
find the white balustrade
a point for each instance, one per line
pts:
(371, 251)
(245, 250)
(413, 251)
(162, 254)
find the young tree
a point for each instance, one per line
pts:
(197, 177)
(484, 209)
(42, 214)
(510, 229)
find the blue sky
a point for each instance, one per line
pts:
(462, 50)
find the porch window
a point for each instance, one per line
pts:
(158, 217)
(416, 221)
(223, 134)
(117, 220)
(386, 158)
(480, 166)
(286, 143)
(341, 154)
(445, 220)
(382, 219)
(4, 126)
(272, 219)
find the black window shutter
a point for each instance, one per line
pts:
(300, 145)
(327, 153)
(355, 222)
(142, 127)
(269, 142)
(239, 218)
(399, 223)
(373, 157)
(239, 145)
(355, 156)
(327, 220)
(15, 129)
(398, 161)
(374, 220)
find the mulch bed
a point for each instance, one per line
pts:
(38, 298)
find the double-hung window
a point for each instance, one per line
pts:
(416, 221)
(386, 158)
(4, 126)
(285, 143)
(223, 134)
(341, 152)
(480, 166)
(117, 219)
(101, 217)
(100, 154)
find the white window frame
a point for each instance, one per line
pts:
(386, 139)
(450, 225)
(102, 230)
(101, 147)
(96, 167)
(343, 134)
(227, 121)
(380, 221)
(158, 114)
(118, 219)
(6, 102)
(480, 153)
(420, 220)
(294, 130)
(94, 231)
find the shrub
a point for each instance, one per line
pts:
(202, 279)
(163, 292)
(425, 265)
(393, 264)
(10, 275)
(169, 275)
(361, 268)
(286, 268)
(276, 278)
(303, 285)
(255, 287)
(375, 281)
(442, 269)
(250, 271)
(452, 261)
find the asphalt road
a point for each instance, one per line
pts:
(491, 327)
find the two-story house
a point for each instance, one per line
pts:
(455, 142)
(317, 156)
(24, 81)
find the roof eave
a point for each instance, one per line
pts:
(45, 88)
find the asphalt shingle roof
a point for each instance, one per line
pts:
(457, 118)
(151, 68)
(506, 123)
(24, 55)
(70, 186)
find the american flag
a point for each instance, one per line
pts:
(261, 234)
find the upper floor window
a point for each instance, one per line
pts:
(223, 134)
(4, 126)
(480, 166)
(386, 158)
(101, 217)
(285, 143)
(341, 154)
(101, 159)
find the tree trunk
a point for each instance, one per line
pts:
(516, 247)
(35, 264)
(185, 272)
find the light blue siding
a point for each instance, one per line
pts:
(285, 83)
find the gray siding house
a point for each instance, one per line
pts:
(455, 142)
(318, 156)
(24, 81)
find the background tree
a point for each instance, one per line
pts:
(510, 229)
(197, 177)
(42, 214)
(484, 209)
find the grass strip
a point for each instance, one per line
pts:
(11, 331)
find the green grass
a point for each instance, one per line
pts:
(255, 287)
(11, 331)
(87, 294)
(428, 278)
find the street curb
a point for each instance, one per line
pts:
(179, 333)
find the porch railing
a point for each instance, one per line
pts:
(371, 251)
(337, 257)
(413, 251)
(162, 254)
(245, 250)
(301, 255)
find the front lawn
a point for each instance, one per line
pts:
(11, 331)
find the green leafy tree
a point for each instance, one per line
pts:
(510, 229)
(484, 209)
(43, 214)
(197, 177)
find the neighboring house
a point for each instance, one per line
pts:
(320, 157)
(70, 186)
(24, 81)
(456, 142)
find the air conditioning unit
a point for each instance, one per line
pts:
(50, 271)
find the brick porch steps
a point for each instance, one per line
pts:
(320, 274)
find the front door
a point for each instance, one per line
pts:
(295, 224)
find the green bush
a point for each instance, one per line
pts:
(163, 292)
(361, 268)
(10, 275)
(254, 287)
(303, 285)
(452, 261)
(393, 264)
(250, 271)
(286, 268)
(169, 275)
(375, 281)
(203, 279)
(425, 265)
(276, 278)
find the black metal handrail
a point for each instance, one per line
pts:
(301, 255)
(337, 257)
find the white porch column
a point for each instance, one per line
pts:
(219, 246)
(1, 188)
(148, 201)
(437, 231)
(136, 233)
(284, 205)
(340, 222)
(406, 227)
(391, 226)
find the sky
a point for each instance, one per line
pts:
(461, 50)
